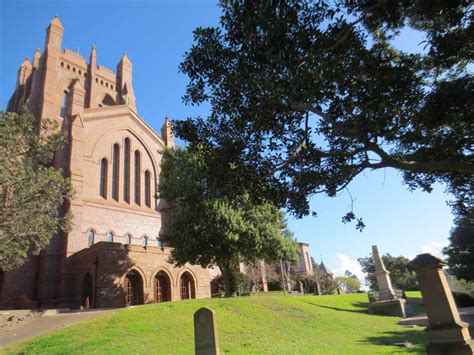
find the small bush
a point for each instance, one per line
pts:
(463, 299)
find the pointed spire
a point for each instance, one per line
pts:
(36, 58)
(167, 132)
(26, 64)
(93, 56)
(56, 23)
(125, 58)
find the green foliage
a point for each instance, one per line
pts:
(402, 276)
(242, 284)
(460, 251)
(306, 95)
(246, 325)
(308, 283)
(209, 226)
(31, 190)
(348, 283)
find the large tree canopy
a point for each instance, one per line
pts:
(306, 95)
(208, 225)
(31, 190)
(460, 251)
(402, 276)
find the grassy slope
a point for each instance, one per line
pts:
(273, 324)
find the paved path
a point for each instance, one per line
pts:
(466, 314)
(45, 324)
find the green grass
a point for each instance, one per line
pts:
(274, 324)
(415, 302)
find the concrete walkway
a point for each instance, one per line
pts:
(466, 314)
(45, 324)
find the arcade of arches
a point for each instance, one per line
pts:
(146, 276)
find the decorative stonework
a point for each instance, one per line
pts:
(447, 334)
(387, 303)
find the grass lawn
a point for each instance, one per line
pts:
(273, 324)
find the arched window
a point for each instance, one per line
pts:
(128, 239)
(115, 172)
(103, 177)
(90, 238)
(64, 102)
(147, 188)
(137, 177)
(110, 237)
(145, 241)
(126, 170)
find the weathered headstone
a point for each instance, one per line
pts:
(386, 303)
(317, 288)
(447, 334)
(300, 287)
(205, 332)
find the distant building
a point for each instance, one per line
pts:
(263, 272)
(304, 266)
(113, 255)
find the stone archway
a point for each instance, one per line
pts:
(187, 286)
(133, 287)
(162, 287)
(87, 292)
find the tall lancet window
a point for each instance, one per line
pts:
(126, 170)
(103, 177)
(64, 102)
(115, 172)
(147, 189)
(137, 177)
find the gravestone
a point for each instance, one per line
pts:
(300, 287)
(205, 332)
(317, 289)
(447, 334)
(382, 275)
(386, 302)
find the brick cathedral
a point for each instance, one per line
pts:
(113, 255)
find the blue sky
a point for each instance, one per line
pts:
(155, 35)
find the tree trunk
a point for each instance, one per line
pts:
(228, 276)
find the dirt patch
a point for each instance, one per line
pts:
(13, 318)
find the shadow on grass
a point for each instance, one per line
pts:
(362, 307)
(409, 340)
(415, 306)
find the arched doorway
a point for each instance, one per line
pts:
(162, 287)
(133, 288)
(86, 292)
(187, 286)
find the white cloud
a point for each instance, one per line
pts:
(344, 262)
(434, 248)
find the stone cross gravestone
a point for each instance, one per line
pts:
(447, 334)
(205, 332)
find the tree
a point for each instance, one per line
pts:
(460, 251)
(402, 276)
(32, 191)
(306, 95)
(208, 225)
(348, 284)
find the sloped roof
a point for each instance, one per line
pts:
(323, 268)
